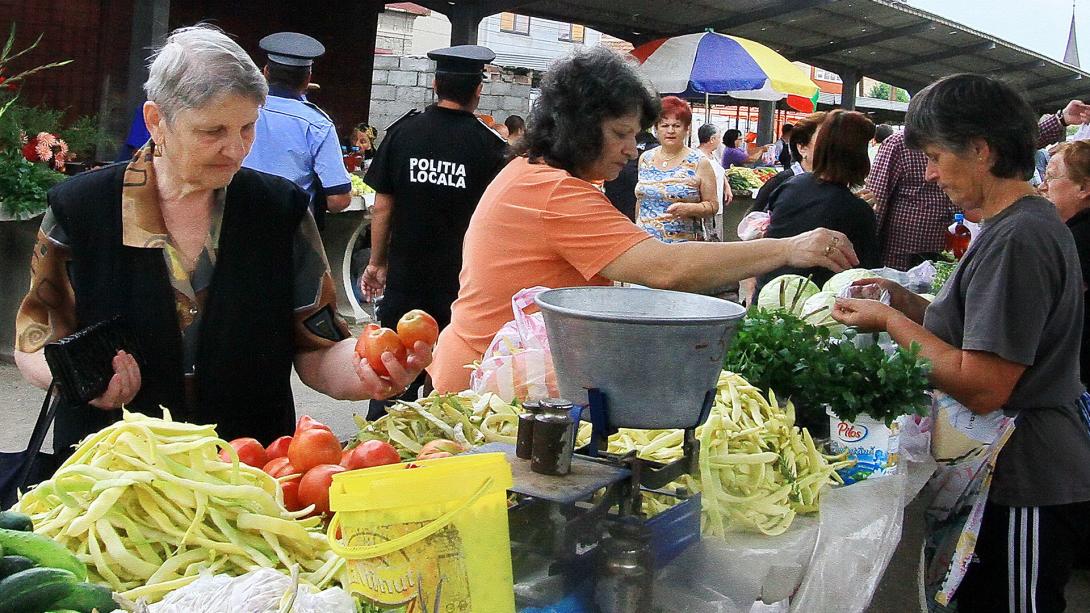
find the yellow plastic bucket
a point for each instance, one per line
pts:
(435, 533)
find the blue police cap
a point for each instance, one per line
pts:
(291, 48)
(461, 59)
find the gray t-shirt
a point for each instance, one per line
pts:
(1017, 293)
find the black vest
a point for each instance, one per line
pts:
(245, 347)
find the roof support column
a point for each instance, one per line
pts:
(464, 20)
(850, 77)
(766, 124)
(150, 25)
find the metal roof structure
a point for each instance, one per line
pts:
(882, 39)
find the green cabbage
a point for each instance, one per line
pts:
(843, 279)
(818, 311)
(786, 292)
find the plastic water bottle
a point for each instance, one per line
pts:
(958, 236)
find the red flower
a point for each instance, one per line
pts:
(30, 150)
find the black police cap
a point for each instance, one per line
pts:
(461, 59)
(291, 48)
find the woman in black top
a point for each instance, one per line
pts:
(823, 198)
(802, 154)
(1067, 185)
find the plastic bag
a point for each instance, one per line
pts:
(870, 291)
(916, 279)
(832, 563)
(517, 363)
(258, 591)
(955, 516)
(754, 225)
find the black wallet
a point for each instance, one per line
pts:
(82, 363)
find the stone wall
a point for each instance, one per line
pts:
(401, 83)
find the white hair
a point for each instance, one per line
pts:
(198, 64)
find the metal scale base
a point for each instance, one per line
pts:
(558, 522)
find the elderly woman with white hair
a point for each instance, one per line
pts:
(217, 270)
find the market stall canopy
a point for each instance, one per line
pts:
(882, 39)
(713, 63)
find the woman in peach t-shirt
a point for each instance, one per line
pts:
(542, 221)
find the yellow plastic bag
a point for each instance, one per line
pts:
(434, 531)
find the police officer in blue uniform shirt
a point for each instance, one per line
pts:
(294, 138)
(429, 173)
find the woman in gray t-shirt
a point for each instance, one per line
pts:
(1003, 334)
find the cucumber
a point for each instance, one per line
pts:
(14, 520)
(9, 565)
(86, 597)
(35, 590)
(43, 550)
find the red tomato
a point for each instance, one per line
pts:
(278, 448)
(314, 486)
(307, 422)
(312, 447)
(250, 452)
(275, 466)
(416, 325)
(379, 341)
(439, 448)
(291, 494)
(361, 342)
(370, 453)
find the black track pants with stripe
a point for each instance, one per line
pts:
(1023, 559)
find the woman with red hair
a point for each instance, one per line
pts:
(677, 185)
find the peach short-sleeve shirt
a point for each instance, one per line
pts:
(535, 225)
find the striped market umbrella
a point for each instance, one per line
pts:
(713, 63)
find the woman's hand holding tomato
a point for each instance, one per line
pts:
(390, 361)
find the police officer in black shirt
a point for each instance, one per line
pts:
(429, 173)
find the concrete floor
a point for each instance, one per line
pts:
(20, 402)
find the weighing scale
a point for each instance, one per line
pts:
(561, 525)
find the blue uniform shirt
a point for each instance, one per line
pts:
(297, 141)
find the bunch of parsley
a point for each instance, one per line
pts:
(779, 351)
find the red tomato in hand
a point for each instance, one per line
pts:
(307, 422)
(278, 448)
(312, 447)
(370, 453)
(291, 494)
(416, 325)
(274, 466)
(379, 341)
(250, 452)
(361, 342)
(314, 486)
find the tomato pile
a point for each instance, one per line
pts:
(414, 326)
(305, 462)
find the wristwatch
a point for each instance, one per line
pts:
(1060, 116)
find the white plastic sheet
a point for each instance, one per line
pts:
(830, 563)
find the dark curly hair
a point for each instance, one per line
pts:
(954, 110)
(577, 94)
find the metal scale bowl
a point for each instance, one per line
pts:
(630, 358)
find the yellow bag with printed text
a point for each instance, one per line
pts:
(433, 531)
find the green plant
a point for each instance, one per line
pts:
(882, 91)
(779, 351)
(943, 269)
(867, 380)
(23, 184)
(776, 350)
